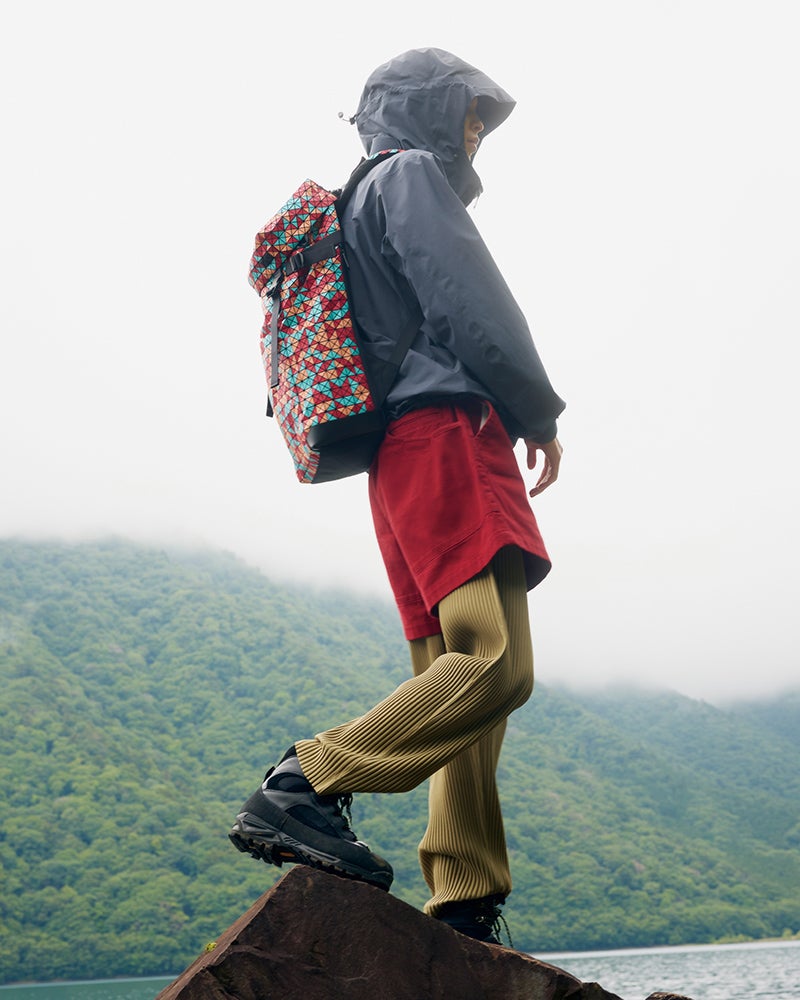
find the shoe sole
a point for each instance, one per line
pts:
(251, 835)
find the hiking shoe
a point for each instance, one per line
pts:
(476, 918)
(286, 821)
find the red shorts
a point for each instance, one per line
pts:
(446, 495)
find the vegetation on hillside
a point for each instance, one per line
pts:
(143, 693)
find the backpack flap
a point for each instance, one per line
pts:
(307, 216)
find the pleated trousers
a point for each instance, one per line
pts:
(446, 723)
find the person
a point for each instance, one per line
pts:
(452, 518)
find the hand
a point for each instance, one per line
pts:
(552, 452)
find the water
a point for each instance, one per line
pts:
(762, 970)
(768, 970)
(98, 989)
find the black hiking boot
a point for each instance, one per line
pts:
(286, 821)
(476, 918)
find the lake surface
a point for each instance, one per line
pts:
(763, 970)
(768, 970)
(97, 989)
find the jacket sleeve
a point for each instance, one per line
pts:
(468, 307)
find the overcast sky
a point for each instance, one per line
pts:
(642, 201)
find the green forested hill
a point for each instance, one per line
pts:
(143, 693)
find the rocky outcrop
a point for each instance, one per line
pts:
(318, 937)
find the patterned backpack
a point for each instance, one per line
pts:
(319, 385)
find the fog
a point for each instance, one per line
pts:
(642, 202)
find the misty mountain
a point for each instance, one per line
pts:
(144, 692)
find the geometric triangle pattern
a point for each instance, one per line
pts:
(321, 371)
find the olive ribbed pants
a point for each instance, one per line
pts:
(447, 722)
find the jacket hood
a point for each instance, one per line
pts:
(419, 99)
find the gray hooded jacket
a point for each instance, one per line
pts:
(412, 247)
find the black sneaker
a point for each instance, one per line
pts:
(286, 821)
(476, 918)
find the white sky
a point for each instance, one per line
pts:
(642, 201)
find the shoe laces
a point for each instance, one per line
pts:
(342, 809)
(338, 807)
(492, 917)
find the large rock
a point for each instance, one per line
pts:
(318, 937)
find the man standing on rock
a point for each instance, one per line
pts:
(453, 521)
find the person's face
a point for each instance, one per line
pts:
(473, 127)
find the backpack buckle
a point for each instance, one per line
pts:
(295, 263)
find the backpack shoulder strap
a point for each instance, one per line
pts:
(364, 166)
(410, 330)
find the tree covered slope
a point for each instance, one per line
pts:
(143, 693)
